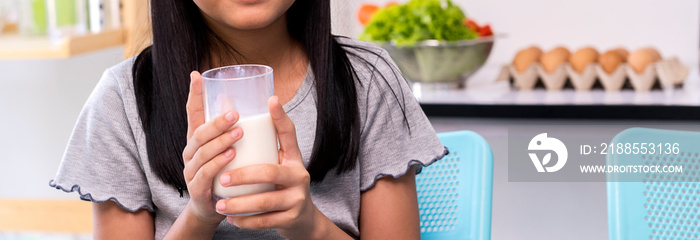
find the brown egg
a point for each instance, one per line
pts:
(641, 58)
(536, 49)
(552, 59)
(654, 53)
(561, 50)
(623, 52)
(581, 58)
(610, 60)
(525, 57)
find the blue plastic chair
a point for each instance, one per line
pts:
(454, 193)
(651, 208)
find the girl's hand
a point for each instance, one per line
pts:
(208, 150)
(289, 209)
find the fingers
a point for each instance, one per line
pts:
(284, 175)
(220, 145)
(285, 129)
(209, 131)
(262, 221)
(216, 146)
(263, 202)
(203, 176)
(195, 104)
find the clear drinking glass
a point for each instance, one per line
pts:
(245, 88)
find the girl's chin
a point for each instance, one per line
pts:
(250, 21)
(250, 24)
(248, 1)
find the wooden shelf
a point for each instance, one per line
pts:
(13, 46)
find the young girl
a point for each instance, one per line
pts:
(351, 135)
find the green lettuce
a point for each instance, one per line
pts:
(418, 20)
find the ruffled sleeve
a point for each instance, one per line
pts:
(391, 144)
(101, 161)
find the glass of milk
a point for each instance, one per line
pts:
(246, 89)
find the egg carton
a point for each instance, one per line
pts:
(664, 74)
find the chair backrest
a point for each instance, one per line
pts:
(454, 193)
(650, 208)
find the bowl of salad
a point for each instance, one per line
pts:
(431, 41)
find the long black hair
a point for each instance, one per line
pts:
(182, 43)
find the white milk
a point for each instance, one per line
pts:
(258, 146)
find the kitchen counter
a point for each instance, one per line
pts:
(486, 97)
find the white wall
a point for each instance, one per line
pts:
(39, 104)
(671, 26)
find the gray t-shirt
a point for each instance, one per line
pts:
(106, 156)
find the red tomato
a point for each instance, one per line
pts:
(471, 25)
(485, 31)
(364, 15)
